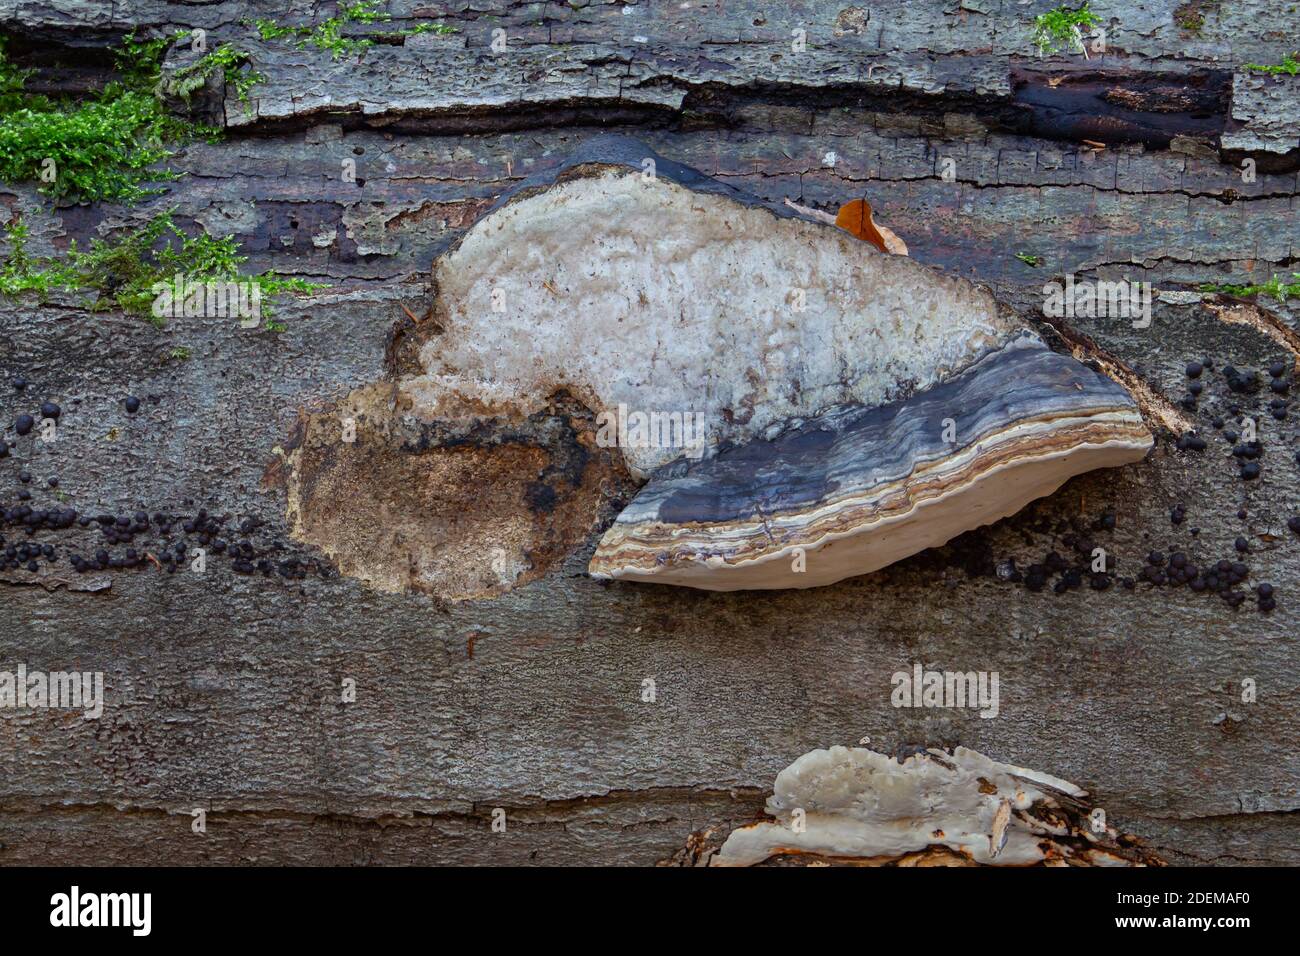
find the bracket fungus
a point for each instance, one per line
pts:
(860, 487)
(801, 407)
(930, 808)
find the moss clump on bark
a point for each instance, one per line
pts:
(1062, 27)
(124, 272)
(102, 148)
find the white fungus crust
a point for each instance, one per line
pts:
(654, 296)
(855, 803)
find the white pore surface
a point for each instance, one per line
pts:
(650, 295)
(859, 803)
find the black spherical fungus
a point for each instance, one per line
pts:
(171, 556)
(1241, 545)
(1155, 575)
(132, 404)
(1190, 442)
(1241, 381)
(50, 410)
(1194, 369)
(24, 423)
(1178, 514)
(1248, 450)
(1250, 471)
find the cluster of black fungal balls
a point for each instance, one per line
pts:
(1239, 382)
(1220, 578)
(1074, 569)
(185, 533)
(1069, 575)
(24, 423)
(174, 537)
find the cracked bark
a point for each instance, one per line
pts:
(224, 689)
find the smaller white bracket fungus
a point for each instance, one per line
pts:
(857, 805)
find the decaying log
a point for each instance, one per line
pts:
(610, 721)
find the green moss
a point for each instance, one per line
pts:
(108, 147)
(270, 30)
(1289, 65)
(1029, 260)
(1062, 28)
(102, 148)
(227, 60)
(328, 34)
(123, 272)
(1274, 287)
(438, 29)
(21, 273)
(139, 62)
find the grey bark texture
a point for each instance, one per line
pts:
(224, 691)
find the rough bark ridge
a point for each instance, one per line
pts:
(224, 690)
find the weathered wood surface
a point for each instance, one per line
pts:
(224, 689)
